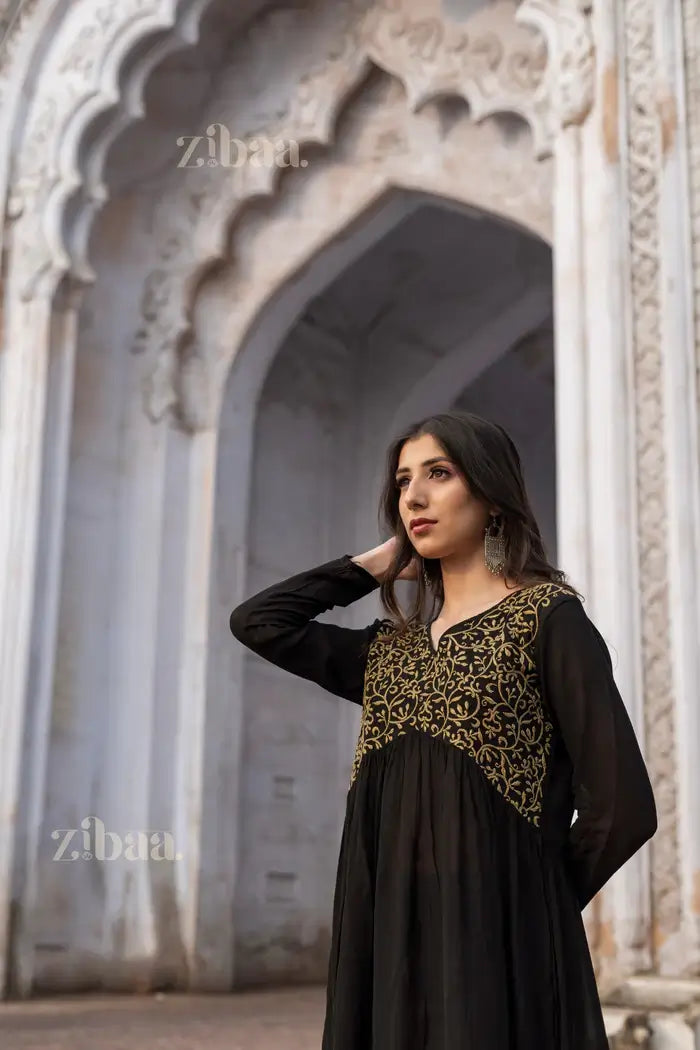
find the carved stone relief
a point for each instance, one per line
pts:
(383, 145)
(14, 17)
(570, 74)
(643, 167)
(505, 58)
(77, 84)
(495, 63)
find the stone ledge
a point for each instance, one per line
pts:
(648, 993)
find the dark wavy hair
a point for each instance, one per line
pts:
(489, 461)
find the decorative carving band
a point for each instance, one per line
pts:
(644, 165)
(492, 64)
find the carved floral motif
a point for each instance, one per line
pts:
(570, 75)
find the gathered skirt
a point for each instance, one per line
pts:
(455, 922)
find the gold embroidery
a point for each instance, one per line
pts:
(478, 691)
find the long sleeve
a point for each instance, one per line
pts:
(611, 786)
(278, 624)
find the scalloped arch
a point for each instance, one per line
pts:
(510, 185)
(496, 66)
(79, 80)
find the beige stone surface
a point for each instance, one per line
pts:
(290, 1019)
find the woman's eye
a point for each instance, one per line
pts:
(439, 470)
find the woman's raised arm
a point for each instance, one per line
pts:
(279, 625)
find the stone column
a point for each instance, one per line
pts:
(43, 632)
(659, 127)
(176, 784)
(619, 933)
(23, 383)
(677, 940)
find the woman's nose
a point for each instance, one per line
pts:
(414, 498)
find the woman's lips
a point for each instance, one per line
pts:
(423, 527)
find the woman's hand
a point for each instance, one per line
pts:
(378, 559)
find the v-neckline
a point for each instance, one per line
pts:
(435, 648)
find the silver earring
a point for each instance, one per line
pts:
(494, 546)
(425, 577)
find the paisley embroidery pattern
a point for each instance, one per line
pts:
(479, 691)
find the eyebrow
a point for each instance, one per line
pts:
(425, 463)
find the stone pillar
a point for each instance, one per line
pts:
(658, 125)
(660, 310)
(176, 783)
(620, 915)
(43, 630)
(677, 940)
(23, 382)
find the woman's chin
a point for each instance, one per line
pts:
(426, 548)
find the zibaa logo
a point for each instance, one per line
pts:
(221, 148)
(99, 844)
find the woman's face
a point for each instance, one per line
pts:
(430, 486)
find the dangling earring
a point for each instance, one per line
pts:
(494, 546)
(425, 577)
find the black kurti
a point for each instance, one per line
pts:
(457, 912)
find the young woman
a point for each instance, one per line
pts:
(457, 912)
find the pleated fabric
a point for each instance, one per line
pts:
(455, 925)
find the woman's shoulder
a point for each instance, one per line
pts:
(546, 593)
(542, 597)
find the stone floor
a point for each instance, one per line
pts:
(287, 1019)
(283, 1020)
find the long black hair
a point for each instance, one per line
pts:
(489, 461)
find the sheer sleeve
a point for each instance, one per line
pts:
(278, 624)
(611, 786)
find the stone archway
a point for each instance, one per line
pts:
(495, 65)
(282, 505)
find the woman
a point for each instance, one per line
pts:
(457, 912)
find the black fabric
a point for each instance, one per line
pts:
(612, 792)
(457, 909)
(278, 624)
